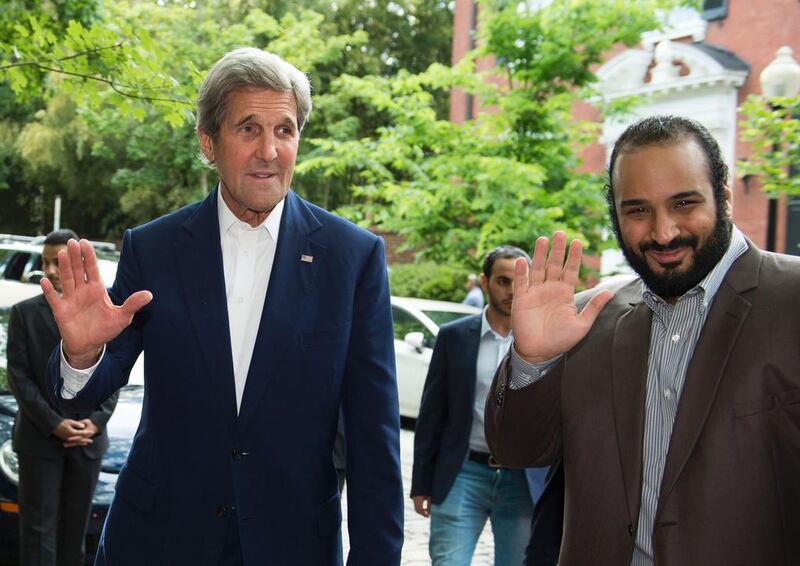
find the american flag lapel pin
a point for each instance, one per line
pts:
(307, 258)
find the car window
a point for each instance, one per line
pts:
(443, 317)
(4, 255)
(15, 265)
(405, 322)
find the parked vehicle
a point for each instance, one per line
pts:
(416, 324)
(21, 267)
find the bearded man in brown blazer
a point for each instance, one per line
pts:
(673, 399)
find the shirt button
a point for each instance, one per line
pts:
(676, 337)
(667, 394)
(239, 300)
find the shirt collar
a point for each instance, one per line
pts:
(228, 220)
(486, 328)
(710, 284)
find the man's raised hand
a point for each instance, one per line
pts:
(544, 318)
(86, 317)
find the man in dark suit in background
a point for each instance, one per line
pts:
(261, 316)
(59, 452)
(452, 481)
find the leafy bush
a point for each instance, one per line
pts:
(428, 280)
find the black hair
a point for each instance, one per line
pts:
(502, 252)
(60, 237)
(666, 130)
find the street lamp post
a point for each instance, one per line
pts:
(781, 78)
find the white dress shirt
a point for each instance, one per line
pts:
(491, 351)
(247, 257)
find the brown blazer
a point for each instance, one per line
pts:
(730, 494)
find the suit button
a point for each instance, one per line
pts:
(237, 454)
(222, 511)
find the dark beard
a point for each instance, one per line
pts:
(673, 284)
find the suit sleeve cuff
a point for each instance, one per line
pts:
(75, 379)
(524, 373)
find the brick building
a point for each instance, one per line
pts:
(702, 65)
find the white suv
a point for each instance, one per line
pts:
(21, 267)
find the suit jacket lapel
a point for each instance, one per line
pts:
(49, 320)
(200, 265)
(472, 338)
(722, 326)
(290, 283)
(630, 353)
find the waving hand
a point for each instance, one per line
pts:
(544, 318)
(86, 317)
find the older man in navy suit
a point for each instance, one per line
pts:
(260, 315)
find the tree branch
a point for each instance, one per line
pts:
(115, 87)
(73, 56)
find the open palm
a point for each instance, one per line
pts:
(85, 315)
(544, 318)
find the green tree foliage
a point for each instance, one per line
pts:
(131, 69)
(428, 280)
(773, 128)
(455, 191)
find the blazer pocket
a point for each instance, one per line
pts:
(764, 404)
(325, 337)
(137, 490)
(329, 517)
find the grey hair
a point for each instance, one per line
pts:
(248, 67)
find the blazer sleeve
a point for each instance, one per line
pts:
(431, 419)
(21, 379)
(101, 415)
(372, 423)
(523, 426)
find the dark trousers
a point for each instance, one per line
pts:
(548, 520)
(55, 501)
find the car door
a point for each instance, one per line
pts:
(412, 362)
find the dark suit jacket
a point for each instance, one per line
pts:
(441, 435)
(32, 335)
(325, 342)
(730, 493)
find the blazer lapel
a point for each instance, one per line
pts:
(47, 317)
(629, 359)
(203, 276)
(297, 258)
(717, 339)
(472, 337)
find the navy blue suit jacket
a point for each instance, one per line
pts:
(441, 435)
(325, 341)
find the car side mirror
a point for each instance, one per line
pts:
(34, 277)
(416, 340)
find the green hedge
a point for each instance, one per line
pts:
(428, 281)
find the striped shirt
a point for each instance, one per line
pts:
(675, 330)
